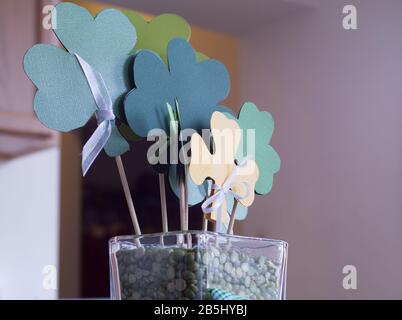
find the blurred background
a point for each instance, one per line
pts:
(335, 95)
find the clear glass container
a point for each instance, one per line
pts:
(186, 265)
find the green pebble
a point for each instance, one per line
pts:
(179, 255)
(189, 257)
(192, 266)
(124, 277)
(188, 275)
(170, 287)
(215, 252)
(247, 281)
(190, 294)
(228, 267)
(180, 284)
(239, 273)
(156, 267)
(137, 254)
(215, 262)
(234, 256)
(172, 258)
(131, 278)
(136, 296)
(180, 266)
(170, 272)
(205, 258)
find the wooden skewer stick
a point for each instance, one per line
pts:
(129, 199)
(185, 200)
(216, 226)
(186, 217)
(182, 189)
(204, 219)
(205, 224)
(232, 216)
(218, 222)
(162, 191)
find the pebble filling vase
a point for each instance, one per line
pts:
(188, 265)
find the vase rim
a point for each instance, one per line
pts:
(121, 238)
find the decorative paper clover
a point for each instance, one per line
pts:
(64, 101)
(198, 88)
(220, 165)
(268, 161)
(155, 35)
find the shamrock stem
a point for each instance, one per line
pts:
(232, 216)
(182, 188)
(207, 217)
(182, 176)
(185, 199)
(162, 192)
(129, 199)
(205, 224)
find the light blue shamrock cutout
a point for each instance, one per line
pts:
(267, 159)
(197, 87)
(64, 101)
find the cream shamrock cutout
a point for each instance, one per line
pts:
(220, 166)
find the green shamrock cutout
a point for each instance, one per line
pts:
(156, 34)
(267, 159)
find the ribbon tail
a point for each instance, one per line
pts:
(212, 203)
(95, 144)
(96, 84)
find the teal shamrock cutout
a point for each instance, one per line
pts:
(267, 159)
(63, 100)
(197, 88)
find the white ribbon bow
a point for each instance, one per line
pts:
(104, 115)
(214, 202)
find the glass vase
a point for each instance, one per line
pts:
(191, 265)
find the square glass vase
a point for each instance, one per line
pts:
(192, 265)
